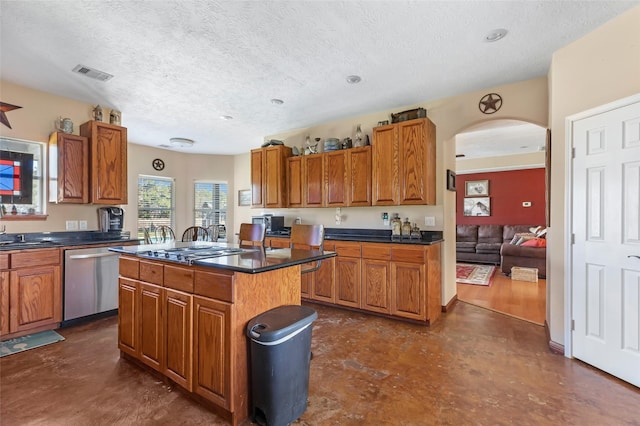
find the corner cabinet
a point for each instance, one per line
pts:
(108, 162)
(404, 163)
(68, 168)
(269, 176)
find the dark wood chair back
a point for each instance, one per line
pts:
(195, 233)
(251, 234)
(164, 233)
(307, 237)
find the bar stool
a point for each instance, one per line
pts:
(252, 234)
(307, 237)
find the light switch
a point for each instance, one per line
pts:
(526, 204)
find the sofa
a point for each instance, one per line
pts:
(501, 245)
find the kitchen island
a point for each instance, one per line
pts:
(183, 309)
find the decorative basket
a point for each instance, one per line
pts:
(524, 274)
(409, 115)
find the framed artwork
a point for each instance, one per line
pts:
(244, 197)
(477, 206)
(476, 188)
(451, 180)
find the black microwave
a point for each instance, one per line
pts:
(271, 223)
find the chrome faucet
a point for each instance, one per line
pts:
(21, 238)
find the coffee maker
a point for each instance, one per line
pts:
(111, 219)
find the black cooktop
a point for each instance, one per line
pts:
(188, 255)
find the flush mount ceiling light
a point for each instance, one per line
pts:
(226, 117)
(277, 101)
(495, 35)
(354, 79)
(181, 142)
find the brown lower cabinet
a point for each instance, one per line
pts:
(31, 291)
(400, 280)
(187, 323)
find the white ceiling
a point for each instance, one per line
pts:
(498, 138)
(180, 65)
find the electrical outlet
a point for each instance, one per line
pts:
(83, 225)
(72, 225)
(429, 221)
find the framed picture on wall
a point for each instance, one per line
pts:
(477, 206)
(451, 180)
(476, 188)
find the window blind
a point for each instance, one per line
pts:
(210, 204)
(156, 202)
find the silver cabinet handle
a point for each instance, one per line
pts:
(91, 256)
(633, 255)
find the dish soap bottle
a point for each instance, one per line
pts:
(406, 228)
(396, 226)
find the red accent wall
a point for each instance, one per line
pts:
(507, 191)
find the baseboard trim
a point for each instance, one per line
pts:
(554, 347)
(449, 306)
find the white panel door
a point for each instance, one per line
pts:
(606, 252)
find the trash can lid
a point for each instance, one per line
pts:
(280, 322)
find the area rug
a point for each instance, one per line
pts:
(31, 341)
(467, 273)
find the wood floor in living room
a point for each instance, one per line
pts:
(520, 299)
(473, 366)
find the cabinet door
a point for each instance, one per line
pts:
(323, 282)
(35, 298)
(127, 318)
(257, 177)
(306, 281)
(68, 168)
(359, 169)
(177, 308)
(336, 178)
(4, 303)
(407, 290)
(108, 160)
(313, 180)
(150, 323)
(348, 281)
(376, 285)
(385, 169)
(212, 350)
(275, 176)
(294, 181)
(417, 162)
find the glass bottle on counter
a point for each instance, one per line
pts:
(396, 226)
(406, 228)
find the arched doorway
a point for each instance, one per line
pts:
(500, 167)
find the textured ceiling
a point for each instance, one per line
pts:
(180, 65)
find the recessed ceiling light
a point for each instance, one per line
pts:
(353, 79)
(181, 142)
(495, 35)
(277, 101)
(226, 117)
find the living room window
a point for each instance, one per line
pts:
(156, 203)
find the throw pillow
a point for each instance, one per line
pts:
(535, 242)
(521, 237)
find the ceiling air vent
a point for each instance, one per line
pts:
(90, 72)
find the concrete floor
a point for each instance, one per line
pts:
(474, 366)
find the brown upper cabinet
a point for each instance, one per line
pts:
(332, 179)
(107, 162)
(268, 176)
(68, 168)
(404, 163)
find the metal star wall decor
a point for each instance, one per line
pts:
(490, 103)
(4, 107)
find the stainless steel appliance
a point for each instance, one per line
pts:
(187, 255)
(111, 219)
(90, 282)
(272, 223)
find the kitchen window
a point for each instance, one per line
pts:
(22, 189)
(156, 203)
(210, 203)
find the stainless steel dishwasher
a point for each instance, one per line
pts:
(90, 282)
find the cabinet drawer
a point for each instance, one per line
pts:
(348, 249)
(376, 251)
(407, 254)
(31, 258)
(4, 261)
(178, 278)
(215, 286)
(151, 272)
(129, 267)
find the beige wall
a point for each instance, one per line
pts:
(601, 67)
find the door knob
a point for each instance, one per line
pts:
(633, 255)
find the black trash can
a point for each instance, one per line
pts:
(280, 353)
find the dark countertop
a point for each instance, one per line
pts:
(35, 240)
(253, 262)
(369, 236)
